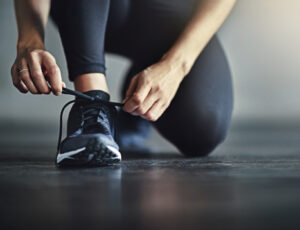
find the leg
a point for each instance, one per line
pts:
(200, 114)
(146, 28)
(82, 28)
(90, 130)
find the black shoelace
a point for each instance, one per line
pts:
(84, 97)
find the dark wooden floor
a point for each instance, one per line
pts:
(251, 182)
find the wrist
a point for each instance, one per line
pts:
(178, 62)
(30, 44)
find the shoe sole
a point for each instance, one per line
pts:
(95, 153)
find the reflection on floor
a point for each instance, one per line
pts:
(251, 182)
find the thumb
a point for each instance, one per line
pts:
(131, 89)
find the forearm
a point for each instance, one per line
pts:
(32, 17)
(203, 25)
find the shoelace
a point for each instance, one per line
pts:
(82, 96)
(89, 114)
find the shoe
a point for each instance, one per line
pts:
(90, 133)
(132, 133)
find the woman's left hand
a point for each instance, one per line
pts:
(151, 91)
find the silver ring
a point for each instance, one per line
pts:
(22, 70)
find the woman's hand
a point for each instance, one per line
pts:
(36, 71)
(151, 91)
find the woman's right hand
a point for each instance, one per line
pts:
(36, 71)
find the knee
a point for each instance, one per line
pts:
(207, 133)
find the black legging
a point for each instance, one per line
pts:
(198, 118)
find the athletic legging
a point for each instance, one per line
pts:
(198, 118)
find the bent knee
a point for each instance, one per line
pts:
(204, 137)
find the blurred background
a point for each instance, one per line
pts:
(261, 40)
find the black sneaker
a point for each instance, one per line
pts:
(90, 133)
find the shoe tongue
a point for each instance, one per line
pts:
(97, 93)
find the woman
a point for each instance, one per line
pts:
(179, 79)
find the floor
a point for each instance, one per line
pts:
(252, 181)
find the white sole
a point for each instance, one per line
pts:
(95, 153)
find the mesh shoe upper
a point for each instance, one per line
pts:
(89, 119)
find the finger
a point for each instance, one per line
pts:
(125, 100)
(154, 112)
(135, 113)
(142, 90)
(22, 87)
(53, 73)
(160, 112)
(36, 73)
(16, 81)
(131, 89)
(24, 76)
(147, 104)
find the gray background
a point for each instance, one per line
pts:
(262, 42)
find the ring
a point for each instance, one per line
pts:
(22, 70)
